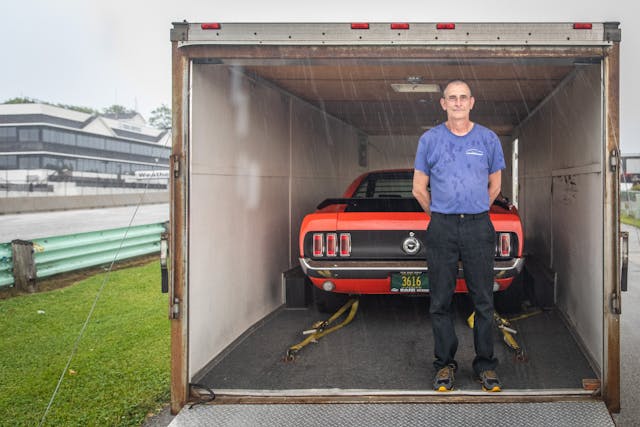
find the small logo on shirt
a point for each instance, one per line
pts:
(474, 152)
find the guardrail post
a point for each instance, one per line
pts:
(24, 266)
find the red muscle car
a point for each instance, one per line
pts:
(371, 241)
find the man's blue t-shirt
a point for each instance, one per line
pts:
(459, 167)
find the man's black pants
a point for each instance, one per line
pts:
(470, 238)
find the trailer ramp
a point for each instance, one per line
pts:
(570, 413)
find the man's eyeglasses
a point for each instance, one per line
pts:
(455, 98)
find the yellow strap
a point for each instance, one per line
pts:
(507, 332)
(507, 335)
(471, 319)
(526, 315)
(320, 328)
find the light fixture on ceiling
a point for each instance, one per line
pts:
(414, 84)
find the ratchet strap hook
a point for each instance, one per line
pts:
(321, 328)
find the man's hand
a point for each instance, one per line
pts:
(420, 192)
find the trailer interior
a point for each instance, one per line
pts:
(274, 130)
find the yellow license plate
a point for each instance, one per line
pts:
(409, 282)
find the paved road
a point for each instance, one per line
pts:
(48, 224)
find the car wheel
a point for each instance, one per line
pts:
(328, 302)
(510, 300)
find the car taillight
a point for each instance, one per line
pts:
(345, 244)
(317, 244)
(504, 245)
(332, 244)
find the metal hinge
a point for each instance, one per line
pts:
(613, 160)
(175, 309)
(616, 307)
(175, 159)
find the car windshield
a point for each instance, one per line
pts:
(386, 185)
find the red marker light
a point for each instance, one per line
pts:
(332, 244)
(505, 244)
(210, 26)
(360, 26)
(446, 26)
(345, 244)
(582, 26)
(317, 244)
(400, 26)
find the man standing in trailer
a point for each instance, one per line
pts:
(461, 161)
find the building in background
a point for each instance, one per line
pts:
(51, 151)
(630, 170)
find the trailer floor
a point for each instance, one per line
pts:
(389, 346)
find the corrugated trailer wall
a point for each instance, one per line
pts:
(262, 159)
(562, 192)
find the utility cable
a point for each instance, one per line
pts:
(93, 306)
(204, 393)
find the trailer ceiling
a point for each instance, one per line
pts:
(361, 93)
(353, 83)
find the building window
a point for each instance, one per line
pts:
(8, 134)
(91, 165)
(161, 152)
(58, 163)
(90, 142)
(113, 168)
(143, 150)
(26, 135)
(66, 138)
(51, 163)
(118, 146)
(29, 162)
(8, 162)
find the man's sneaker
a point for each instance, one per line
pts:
(443, 380)
(490, 381)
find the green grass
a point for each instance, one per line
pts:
(121, 369)
(630, 220)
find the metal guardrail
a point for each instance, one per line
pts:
(61, 254)
(6, 264)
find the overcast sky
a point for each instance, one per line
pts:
(97, 53)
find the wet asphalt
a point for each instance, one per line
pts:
(29, 226)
